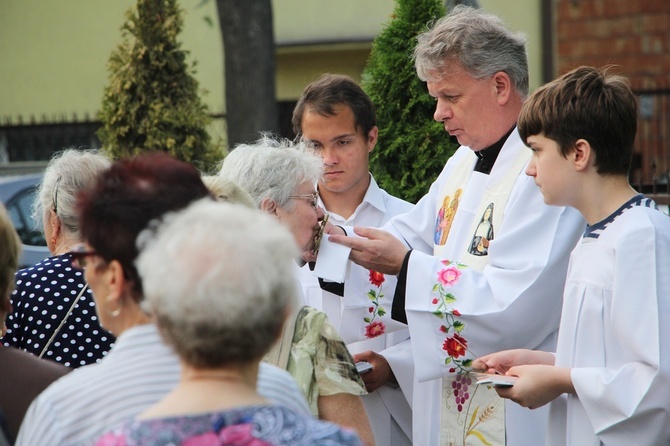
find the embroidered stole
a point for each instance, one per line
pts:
(471, 209)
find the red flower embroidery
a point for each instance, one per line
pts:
(455, 346)
(455, 312)
(435, 301)
(374, 329)
(448, 276)
(376, 278)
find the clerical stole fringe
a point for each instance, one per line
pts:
(471, 414)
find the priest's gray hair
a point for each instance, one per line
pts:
(68, 173)
(477, 41)
(272, 168)
(219, 279)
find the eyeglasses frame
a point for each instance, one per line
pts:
(313, 198)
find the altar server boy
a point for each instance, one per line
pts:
(609, 380)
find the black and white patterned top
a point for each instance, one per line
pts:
(44, 293)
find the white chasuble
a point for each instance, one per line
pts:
(494, 281)
(470, 414)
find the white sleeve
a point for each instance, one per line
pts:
(629, 402)
(515, 302)
(416, 228)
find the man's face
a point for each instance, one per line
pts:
(344, 149)
(468, 107)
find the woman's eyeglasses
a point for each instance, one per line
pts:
(313, 198)
(80, 256)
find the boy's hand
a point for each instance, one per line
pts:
(537, 385)
(501, 362)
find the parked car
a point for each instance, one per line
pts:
(17, 193)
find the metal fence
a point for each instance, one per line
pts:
(38, 141)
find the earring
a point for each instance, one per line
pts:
(113, 313)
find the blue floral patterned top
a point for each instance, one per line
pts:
(248, 426)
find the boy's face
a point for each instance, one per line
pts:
(344, 149)
(553, 174)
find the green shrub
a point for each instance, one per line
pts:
(412, 148)
(151, 101)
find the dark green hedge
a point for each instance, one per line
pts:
(412, 148)
(151, 101)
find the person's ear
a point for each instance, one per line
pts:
(583, 155)
(503, 87)
(54, 221)
(116, 279)
(268, 205)
(372, 138)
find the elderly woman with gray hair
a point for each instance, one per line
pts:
(281, 176)
(236, 296)
(54, 313)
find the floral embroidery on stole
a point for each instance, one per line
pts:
(471, 415)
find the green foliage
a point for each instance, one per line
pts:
(412, 148)
(151, 101)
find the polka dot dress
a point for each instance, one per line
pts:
(44, 293)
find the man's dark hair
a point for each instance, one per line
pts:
(329, 91)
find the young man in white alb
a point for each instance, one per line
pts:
(336, 116)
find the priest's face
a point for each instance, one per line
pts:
(469, 108)
(553, 173)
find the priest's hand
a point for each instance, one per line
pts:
(376, 250)
(537, 385)
(381, 372)
(501, 362)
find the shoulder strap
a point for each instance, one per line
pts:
(69, 312)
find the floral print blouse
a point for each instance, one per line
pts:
(248, 426)
(319, 360)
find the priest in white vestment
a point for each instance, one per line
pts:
(481, 260)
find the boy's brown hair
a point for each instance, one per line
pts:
(586, 103)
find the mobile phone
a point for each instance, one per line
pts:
(363, 367)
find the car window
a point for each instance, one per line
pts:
(19, 209)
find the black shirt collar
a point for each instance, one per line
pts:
(487, 157)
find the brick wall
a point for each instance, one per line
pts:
(635, 35)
